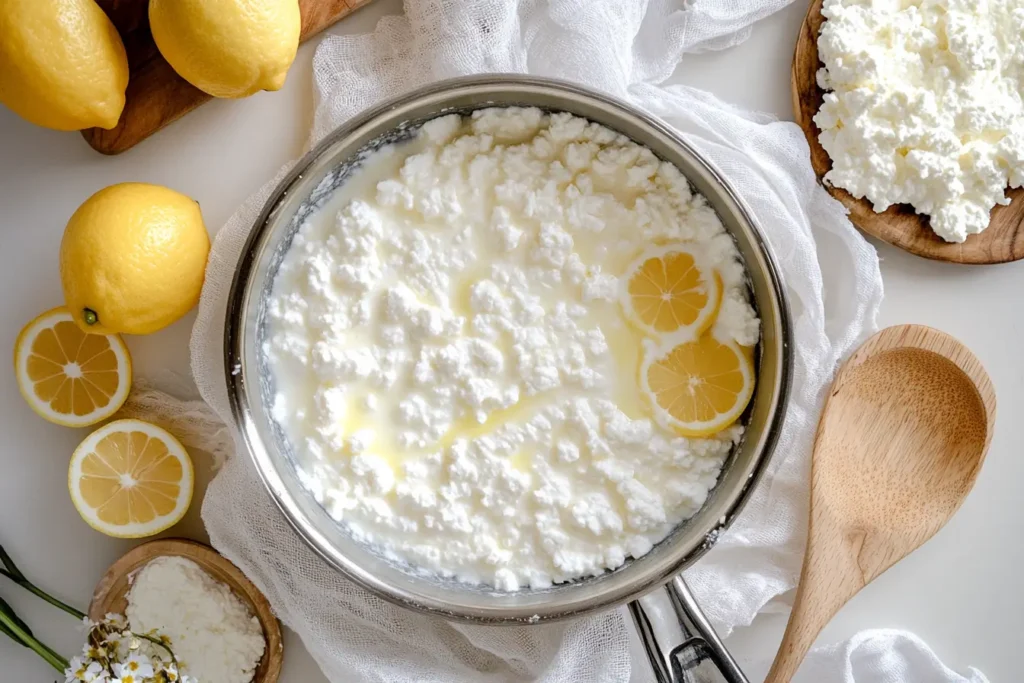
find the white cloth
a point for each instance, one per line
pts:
(627, 48)
(874, 656)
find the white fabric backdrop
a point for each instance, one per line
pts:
(626, 48)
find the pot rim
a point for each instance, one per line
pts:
(560, 601)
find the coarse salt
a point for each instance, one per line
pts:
(213, 635)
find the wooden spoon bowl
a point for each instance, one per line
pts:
(1002, 241)
(111, 594)
(901, 440)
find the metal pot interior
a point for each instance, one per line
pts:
(250, 382)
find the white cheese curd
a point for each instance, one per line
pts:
(925, 105)
(452, 365)
(213, 635)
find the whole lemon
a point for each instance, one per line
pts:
(227, 48)
(133, 258)
(62, 63)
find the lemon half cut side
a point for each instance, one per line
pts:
(131, 479)
(67, 376)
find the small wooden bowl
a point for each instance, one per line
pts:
(1001, 242)
(111, 594)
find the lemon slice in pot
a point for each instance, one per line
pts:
(668, 289)
(700, 387)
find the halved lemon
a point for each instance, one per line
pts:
(70, 377)
(130, 479)
(668, 289)
(700, 387)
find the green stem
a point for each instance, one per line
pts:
(9, 611)
(9, 633)
(10, 626)
(8, 562)
(56, 655)
(11, 571)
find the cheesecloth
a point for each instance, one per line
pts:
(626, 48)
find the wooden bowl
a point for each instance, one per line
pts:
(111, 594)
(1002, 241)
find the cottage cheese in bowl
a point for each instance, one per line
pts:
(924, 105)
(481, 349)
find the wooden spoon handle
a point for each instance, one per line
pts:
(830, 577)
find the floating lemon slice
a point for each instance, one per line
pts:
(70, 377)
(130, 479)
(698, 387)
(668, 289)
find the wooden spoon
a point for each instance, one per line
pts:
(901, 440)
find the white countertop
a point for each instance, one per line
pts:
(960, 592)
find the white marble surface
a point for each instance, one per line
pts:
(960, 592)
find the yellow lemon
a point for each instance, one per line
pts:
(668, 289)
(698, 387)
(130, 479)
(227, 48)
(133, 259)
(69, 377)
(62, 63)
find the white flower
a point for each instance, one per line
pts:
(113, 638)
(122, 656)
(75, 671)
(78, 672)
(95, 673)
(91, 652)
(116, 620)
(137, 665)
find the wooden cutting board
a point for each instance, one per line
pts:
(156, 95)
(1002, 241)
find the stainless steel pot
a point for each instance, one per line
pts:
(249, 382)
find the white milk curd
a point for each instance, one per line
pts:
(484, 349)
(925, 105)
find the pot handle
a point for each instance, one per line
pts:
(682, 657)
